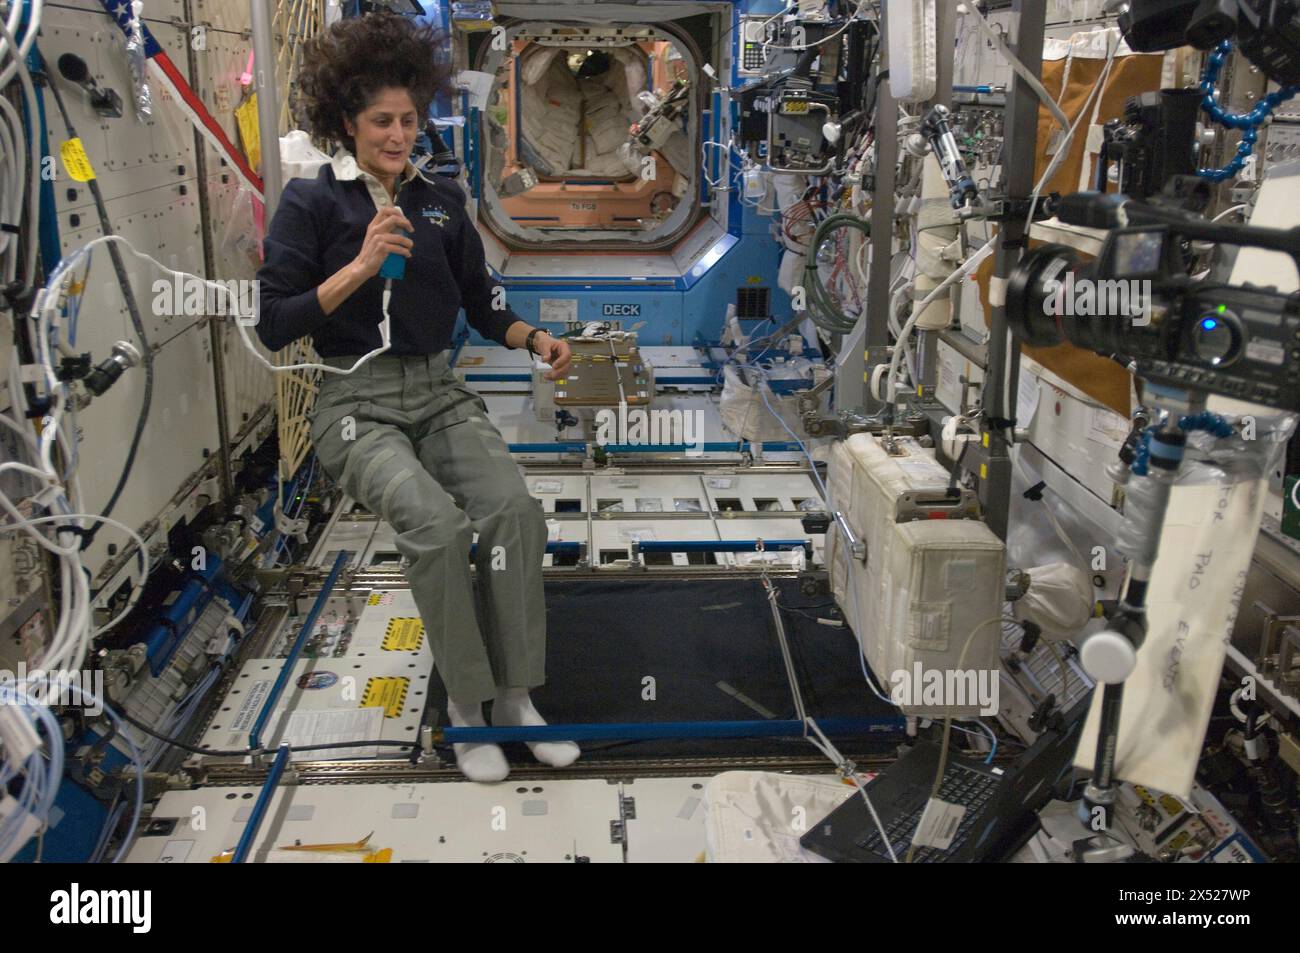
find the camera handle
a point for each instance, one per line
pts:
(1113, 210)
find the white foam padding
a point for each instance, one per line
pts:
(912, 58)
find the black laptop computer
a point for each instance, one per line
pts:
(1000, 805)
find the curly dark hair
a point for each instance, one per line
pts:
(345, 67)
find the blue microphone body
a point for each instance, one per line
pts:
(394, 265)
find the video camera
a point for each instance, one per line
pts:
(1142, 306)
(1267, 31)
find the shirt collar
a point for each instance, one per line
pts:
(346, 169)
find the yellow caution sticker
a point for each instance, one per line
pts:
(374, 598)
(403, 635)
(76, 161)
(984, 471)
(986, 441)
(387, 692)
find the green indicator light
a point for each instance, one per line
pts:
(1222, 308)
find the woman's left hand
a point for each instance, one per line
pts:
(555, 352)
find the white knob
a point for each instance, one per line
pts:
(1108, 657)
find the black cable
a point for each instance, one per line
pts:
(802, 612)
(133, 309)
(98, 748)
(803, 66)
(174, 742)
(381, 742)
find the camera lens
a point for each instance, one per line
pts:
(1215, 338)
(1036, 307)
(1054, 296)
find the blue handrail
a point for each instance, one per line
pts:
(260, 805)
(286, 670)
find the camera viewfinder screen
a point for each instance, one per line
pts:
(1137, 253)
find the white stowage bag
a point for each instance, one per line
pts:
(912, 54)
(750, 816)
(573, 125)
(299, 159)
(606, 125)
(550, 108)
(677, 150)
(749, 411)
(536, 62)
(1196, 588)
(1059, 600)
(606, 116)
(631, 73)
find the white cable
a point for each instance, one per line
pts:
(704, 166)
(19, 49)
(1228, 211)
(999, 43)
(841, 763)
(71, 639)
(384, 326)
(56, 742)
(825, 39)
(970, 265)
(1241, 715)
(41, 772)
(13, 176)
(29, 97)
(136, 537)
(1064, 146)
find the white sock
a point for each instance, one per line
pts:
(478, 762)
(513, 707)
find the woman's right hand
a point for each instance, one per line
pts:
(383, 237)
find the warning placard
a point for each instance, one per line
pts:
(403, 635)
(387, 692)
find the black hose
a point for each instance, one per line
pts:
(803, 66)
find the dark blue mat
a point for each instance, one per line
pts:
(656, 649)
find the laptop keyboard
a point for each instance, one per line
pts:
(961, 785)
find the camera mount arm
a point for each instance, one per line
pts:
(938, 133)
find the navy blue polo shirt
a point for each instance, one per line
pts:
(319, 227)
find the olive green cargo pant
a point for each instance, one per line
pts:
(407, 440)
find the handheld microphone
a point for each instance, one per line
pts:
(394, 265)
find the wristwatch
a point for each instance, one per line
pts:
(528, 341)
